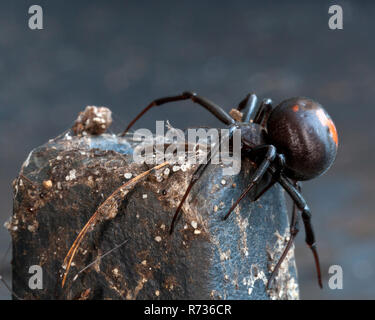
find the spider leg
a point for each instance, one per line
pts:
(197, 174)
(280, 166)
(244, 103)
(217, 111)
(265, 189)
(248, 103)
(294, 229)
(264, 112)
(259, 172)
(306, 217)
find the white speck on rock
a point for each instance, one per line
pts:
(8, 225)
(31, 227)
(71, 176)
(255, 274)
(157, 238)
(27, 161)
(128, 175)
(225, 255)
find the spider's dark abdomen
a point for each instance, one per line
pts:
(303, 131)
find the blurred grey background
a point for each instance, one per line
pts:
(123, 54)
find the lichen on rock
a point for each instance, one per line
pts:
(93, 120)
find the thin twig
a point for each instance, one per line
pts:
(99, 258)
(73, 249)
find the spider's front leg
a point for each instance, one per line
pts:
(264, 112)
(217, 111)
(269, 156)
(249, 105)
(198, 174)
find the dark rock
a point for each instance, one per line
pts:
(62, 184)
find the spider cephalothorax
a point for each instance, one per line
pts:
(295, 141)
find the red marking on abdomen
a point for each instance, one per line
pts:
(326, 121)
(295, 108)
(333, 131)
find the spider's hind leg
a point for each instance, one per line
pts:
(294, 229)
(306, 217)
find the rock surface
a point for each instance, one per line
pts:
(63, 182)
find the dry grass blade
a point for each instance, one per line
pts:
(109, 203)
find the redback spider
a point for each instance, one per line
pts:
(296, 141)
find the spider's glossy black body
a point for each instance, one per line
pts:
(303, 131)
(294, 141)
